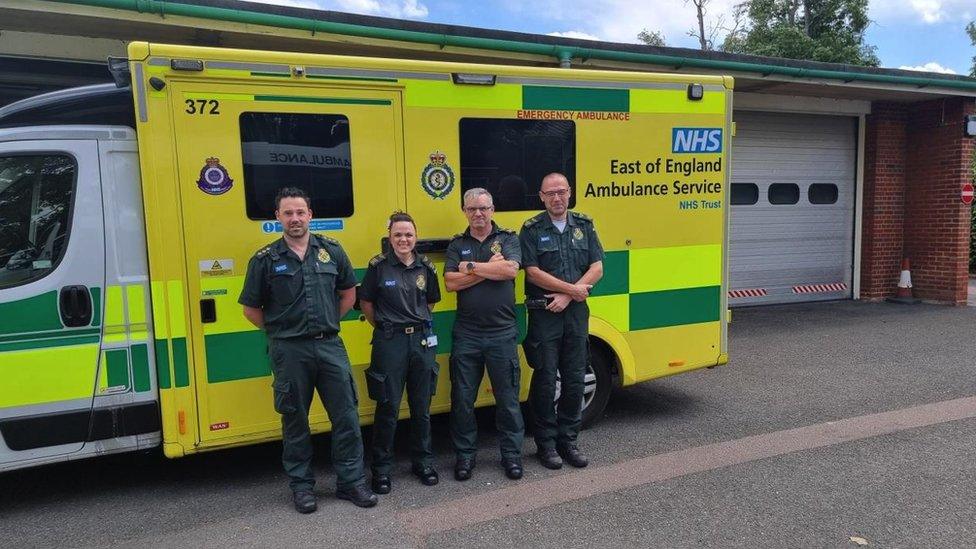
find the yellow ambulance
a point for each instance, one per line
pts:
(128, 213)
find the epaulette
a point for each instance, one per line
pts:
(328, 239)
(376, 259)
(427, 262)
(506, 231)
(457, 236)
(533, 220)
(262, 252)
(582, 216)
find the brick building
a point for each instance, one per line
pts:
(838, 172)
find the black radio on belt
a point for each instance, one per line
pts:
(538, 302)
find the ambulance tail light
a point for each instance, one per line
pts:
(473, 79)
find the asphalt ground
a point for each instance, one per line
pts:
(832, 421)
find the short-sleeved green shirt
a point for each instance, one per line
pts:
(298, 296)
(566, 255)
(400, 294)
(489, 306)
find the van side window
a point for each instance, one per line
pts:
(36, 194)
(509, 158)
(308, 151)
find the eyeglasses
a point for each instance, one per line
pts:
(482, 209)
(558, 192)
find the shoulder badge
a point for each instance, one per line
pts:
(427, 262)
(328, 239)
(533, 220)
(376, 259)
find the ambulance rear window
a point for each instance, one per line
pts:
(509, 158)
(308, 151)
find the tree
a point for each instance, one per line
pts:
(705, 31)
(817, 30)
(971, 31)
(651, 38)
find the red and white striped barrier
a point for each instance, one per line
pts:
(753, 292)
(819, 288)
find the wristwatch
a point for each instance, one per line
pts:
(469, 267)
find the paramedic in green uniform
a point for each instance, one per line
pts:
(397, 296)
(563, 259)
(297, 289)
(481, 266)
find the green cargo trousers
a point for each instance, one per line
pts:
(301, 366)
(400, 359)
(557, 342)
(470, 357)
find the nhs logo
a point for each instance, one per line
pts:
(696, 140)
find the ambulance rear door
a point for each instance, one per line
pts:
(237, 144)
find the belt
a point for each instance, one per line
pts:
(403, 328)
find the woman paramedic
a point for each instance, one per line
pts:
(396, 296)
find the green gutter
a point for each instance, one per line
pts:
(561, 53)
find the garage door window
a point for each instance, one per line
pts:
(784, 193)
(744, 194)
(509, 158)
(308, 151)
(822, 193)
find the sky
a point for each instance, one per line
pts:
(910, 34)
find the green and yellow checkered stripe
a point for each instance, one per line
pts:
(659, 287)
(643, 289)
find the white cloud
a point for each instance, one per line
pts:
(402, 9)
(623, 20)
(309, 4)
(574, 34)
(928, 11)
(414, 10)
(931, 66)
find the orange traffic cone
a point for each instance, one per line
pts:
(904, 293)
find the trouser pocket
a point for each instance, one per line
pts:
(284, 398)
(516, 372)
(435, 371)
(533, 352)
(376, 385)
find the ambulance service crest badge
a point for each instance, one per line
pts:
(324, 256)
(577, 234)
(496, 247)
(214, 178)
(437, 179)
(421, 282)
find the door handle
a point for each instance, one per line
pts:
(75, 305)
(208, 311)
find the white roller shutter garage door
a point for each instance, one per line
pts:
(792, 208)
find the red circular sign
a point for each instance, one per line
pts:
(967, 193)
